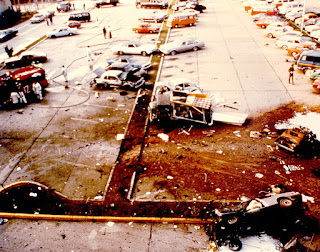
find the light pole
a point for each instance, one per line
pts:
(303, 12)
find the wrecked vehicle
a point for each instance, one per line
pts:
(143, 64)
(183, 100)
(271, 213)
(132, 72)
(17, 84)
(117, 78)
(291, 139)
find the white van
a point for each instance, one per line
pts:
(287, 7)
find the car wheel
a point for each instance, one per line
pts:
(285, 47)
(136, 31)
(263, 26)
(70, 34)
(120, 52)
(173, 53)
(285, 202)
(195, 48)
(53, 36)
(235, 244)
(144, 53)
(176, 26)
(151, 31)
(294, 54)
(270, 35)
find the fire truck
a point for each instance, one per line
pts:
(20, 81)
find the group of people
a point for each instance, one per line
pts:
(107, 32)
(18, 95)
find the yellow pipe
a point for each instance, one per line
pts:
(102, 218)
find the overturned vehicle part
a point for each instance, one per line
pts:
(184, 100)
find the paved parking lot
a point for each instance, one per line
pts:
(72, 148)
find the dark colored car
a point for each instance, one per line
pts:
(25, 59)
(7, 34)
(81, 16)
(143, 64)
(107, 2)
(198, 7)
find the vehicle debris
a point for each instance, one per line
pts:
(184, 100)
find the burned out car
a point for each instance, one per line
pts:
(132, 72)
(291, 139)
(118, 79)
(143, 64)
(184, 100)
(271, 213)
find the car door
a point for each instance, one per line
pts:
(183, 47)
(131, 48)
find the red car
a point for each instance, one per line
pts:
(147, 28)
(74, 24)
(316, 85)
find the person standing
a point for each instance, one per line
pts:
(22, 97)
(47, 20)
(291, 70)
(9, 51)
(51, 19)
(104, 32)
(109, 33)
(64, 73)
(37, 90)
(89, 54)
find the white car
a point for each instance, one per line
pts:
(315, 34)
(62, 31)
(181, 46)
(37, 18)
(311, 28)
(134, 48)
(273, 32)
(189, 12)
(290, 33)
(294, 41)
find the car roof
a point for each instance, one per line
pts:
(311, 53)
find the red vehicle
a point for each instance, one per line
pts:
(147, 28)
(316, 85)
(20, 81)
(269, 10)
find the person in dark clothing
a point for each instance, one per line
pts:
(291, 70)
(104, 32)
(9, 51)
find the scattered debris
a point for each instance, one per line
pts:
(164, 137)
(120, 137)
(259, 175)
(169, 177)
(32, 194)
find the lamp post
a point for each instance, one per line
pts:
(303, 13)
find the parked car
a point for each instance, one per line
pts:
(294, 13)
(308, 60)
(181, 20)
(143, 64)
(296, 51)
(293, 41)
(290, 33)
(315, 34)
(73, 24)
(26, 58)
(147, 28)
(314, 27)
(305, 18)
(155, 17)
(181, 46)
(316, 85)
(7, 34)
(315, 74)
(275, 31)
(37, 18)
(134, 48)
(80, 16)
(196, 6)
(263, 23)
(64, 6)
(189, 12)
(132, 72)
(288, 7)
(106, 2)
(62, 31)
(259, 16)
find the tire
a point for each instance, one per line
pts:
(173, 53)
(270, 35)
(151, 31)
(120, 52)
(235, 244)
(285, 202)
(195, 48)
(144, 53)
(263, 26)
(285, 47)
(294, 54)
(70, 34)
(176, 26)
(136, 31)
(53, 36)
